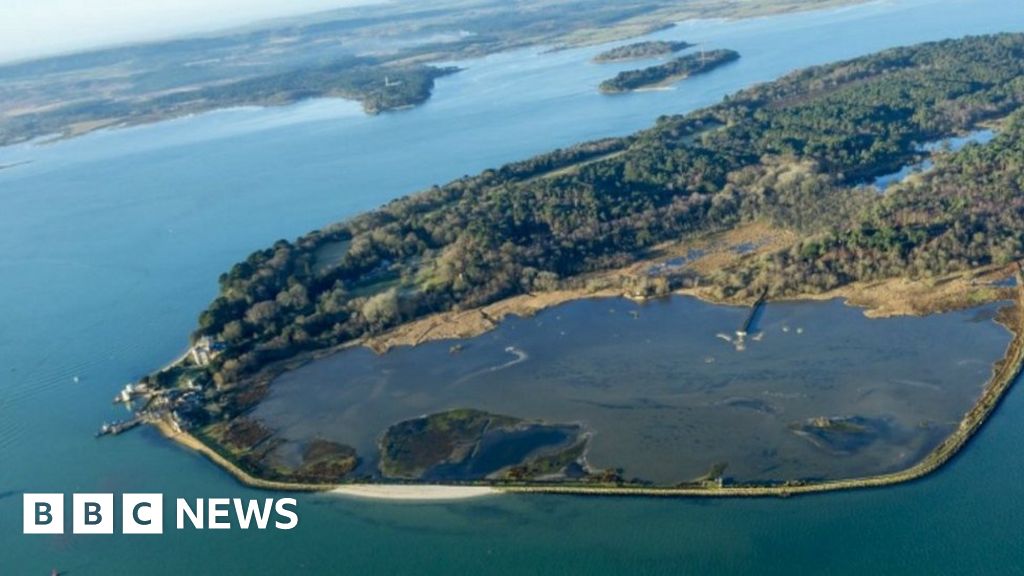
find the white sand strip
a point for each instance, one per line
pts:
(412, 492)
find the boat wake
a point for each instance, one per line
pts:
(520, 357)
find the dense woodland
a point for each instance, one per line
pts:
(794, 152)
(967, 212)
(675, 69)
(636, 50)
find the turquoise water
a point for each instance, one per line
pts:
(110, 245)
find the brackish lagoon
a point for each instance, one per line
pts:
(669, 393)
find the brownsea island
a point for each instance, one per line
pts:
(765, 197)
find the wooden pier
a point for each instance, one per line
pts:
(116, 428)
(754, 310)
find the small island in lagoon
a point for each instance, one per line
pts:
(761, 195)
(668, 72)
(640, 50)
(466, 445)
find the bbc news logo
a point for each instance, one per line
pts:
(144, 513)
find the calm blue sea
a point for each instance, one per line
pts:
(111, 244)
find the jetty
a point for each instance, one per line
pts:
(118, 427)
(755, 309)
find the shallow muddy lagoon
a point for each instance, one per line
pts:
(667, 390)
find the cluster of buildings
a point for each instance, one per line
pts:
(181, 406)
(205, 350)
(131, 392)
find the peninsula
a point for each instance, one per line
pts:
(778, 169)
(669, 72)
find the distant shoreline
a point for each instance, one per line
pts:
(247, 92)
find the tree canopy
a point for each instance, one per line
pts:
(794, 152)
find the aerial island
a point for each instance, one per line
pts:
(639, 50)
(780, 169)
(668, 72)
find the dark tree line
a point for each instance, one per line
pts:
(676, 68)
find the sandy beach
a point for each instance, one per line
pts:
(412, 493)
